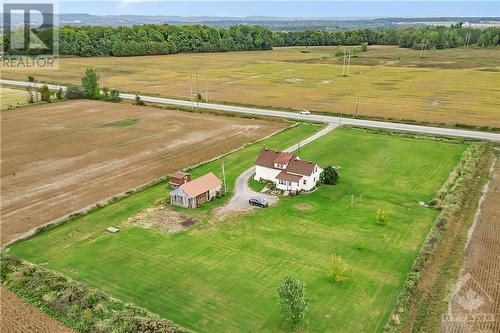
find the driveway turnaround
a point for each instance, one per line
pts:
(243, 192)
(295, 115)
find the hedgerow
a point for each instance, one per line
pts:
(75, 304)
(450, 199)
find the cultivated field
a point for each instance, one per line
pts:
(481, 268)
(62, 157)
(10, 97)
(445, 86)
(220, 276)
(21, 317)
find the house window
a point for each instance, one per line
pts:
(304, 182)
(282, 182)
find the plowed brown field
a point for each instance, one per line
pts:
(478, 288)
(18, 316)
(60, 158)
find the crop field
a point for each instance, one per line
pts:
(10, 97)
(220, 276)
(445, 86)
(20, 317)
(63, 157)
(481, 267)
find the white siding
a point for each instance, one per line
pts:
(265, 173)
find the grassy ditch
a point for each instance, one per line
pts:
(423, 297)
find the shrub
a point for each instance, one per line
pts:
(364, 47)
(114, 96)
(74, 92)
(60, 94)
(381, 216)
(138, 100)
(90, 84)
(292, 299)
(337, 269)
(329, 176)
(359, 245)
(45, 94)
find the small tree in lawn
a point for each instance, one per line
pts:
(292, 299)
(329, 176)
(381, 216)
(90, 84)
(337, 269)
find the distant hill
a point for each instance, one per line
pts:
(273, 23)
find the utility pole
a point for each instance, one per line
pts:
(352, 200)
(206, 95)
(343, 63)
(197, 90)
(191, 89)
(357, 105)
(224, 177)
(349, 63)
(422, 49)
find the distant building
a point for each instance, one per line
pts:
(196, 192)
(287, 171)
(179, 178)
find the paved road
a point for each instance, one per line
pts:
(293, 115)
(243, 192)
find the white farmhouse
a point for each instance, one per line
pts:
(287, 171)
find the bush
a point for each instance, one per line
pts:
(138, 100)
(381, 216)
(359, 245)
(336, 269)
(90, 84)
(292, 299)
(329, 176)
(60, 94)
(364, 47)
(45, 94)
(74, 92)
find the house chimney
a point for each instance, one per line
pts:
(310, 162)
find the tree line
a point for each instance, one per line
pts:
(169, 39)
(439, 37)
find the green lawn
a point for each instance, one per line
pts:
(221, 276)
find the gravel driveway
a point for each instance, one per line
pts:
(243, 192)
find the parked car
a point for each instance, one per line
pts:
(305, 112)
(259, 202)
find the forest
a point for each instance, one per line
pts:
(160, 39)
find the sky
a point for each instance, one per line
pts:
(299, 9)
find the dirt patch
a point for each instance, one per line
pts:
(20, 317)
(58, 159)
(163, 218)
(302, 206)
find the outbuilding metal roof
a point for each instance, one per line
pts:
(201, 185)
